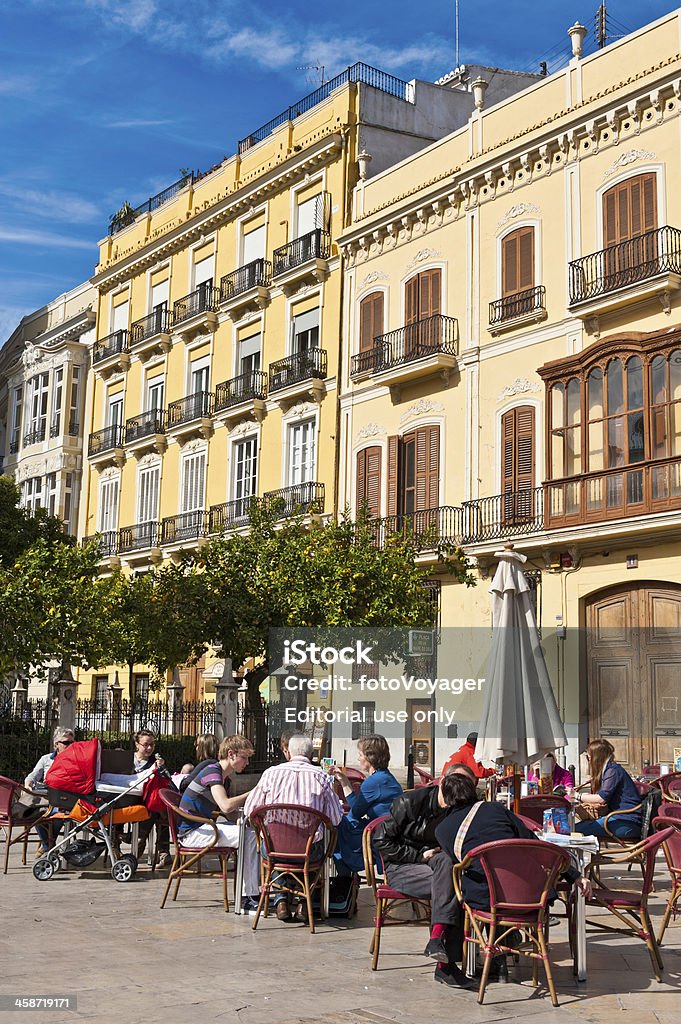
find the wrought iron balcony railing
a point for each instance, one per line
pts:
(186, 526)
(427, 528)
(74, 427)
(107, 542)
(299, 367)
(55, 427)
(230, 514)
(14, 443)
(296, 500)
(138, 537)
(145, 425)
(531, 300)
(428, 337)
(157, 322)
(35, 436)
(111, 345)
(252, 275)
(105, 440)
(502, 515)
(244, 388)
(192, 407)
(128, 214)
(315, 245)
(203, 299)
(636, 259)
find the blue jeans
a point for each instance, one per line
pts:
(621, 829)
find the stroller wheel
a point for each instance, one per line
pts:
(56, 861)
(124, 868)
(43, 869)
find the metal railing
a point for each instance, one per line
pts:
(230, 514)
(14, 444)
(502, 515)
(129, 214)
(427, 528)
(116, 719)
(74, 427)
(111, 345)
(203, 299)
(531, 300)
(244, 388)
(252, 275)
(107, 542)
(296, 500)
(358, 72)
(55, 427)
(298, 367)
(431, 336)
(157, 322)
(314, 245)
(186, 526)
(636, 259)
(192, 407)
(144, 425)
(35, 436)
(137, 537)
(104, 440)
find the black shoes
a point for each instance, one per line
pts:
(435, 949)
(453, 976)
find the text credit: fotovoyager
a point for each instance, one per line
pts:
(386, 684)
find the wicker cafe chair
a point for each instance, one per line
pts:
(520, 875)
(187, 856)
(286, 837)
(355, 777)
(672, 853)
(534, 806)
(671, 787)
(9, 792)
(425, 778)
(385, 897)
(631, 907)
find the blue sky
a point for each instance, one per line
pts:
(103, 101)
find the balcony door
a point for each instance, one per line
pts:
(629, 223)
(517, 265)
(517, 464)
(414, 473)
(633, 654)
(301, 453)
(422, 299)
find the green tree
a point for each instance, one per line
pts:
(20, 528)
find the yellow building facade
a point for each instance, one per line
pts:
(512, 369)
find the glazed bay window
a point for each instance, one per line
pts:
(615, 434)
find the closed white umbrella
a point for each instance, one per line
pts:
(520, 717)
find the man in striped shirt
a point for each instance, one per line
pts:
(296, 781)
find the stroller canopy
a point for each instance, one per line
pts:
(76, 769)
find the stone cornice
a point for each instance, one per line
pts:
(184, 233)
(68, 330)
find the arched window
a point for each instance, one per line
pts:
(629, 209)
(369, 480)
(370, 320)
(517, 468)
(566, 441)
(517, 261)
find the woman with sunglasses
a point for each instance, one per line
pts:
(63, 738)
(612, 789)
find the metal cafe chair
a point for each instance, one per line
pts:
(9, 820)
(672, 852)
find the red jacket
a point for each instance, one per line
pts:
(466, 755)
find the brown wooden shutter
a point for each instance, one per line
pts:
(509, 266)
(609, 219)
(369, 480)
(517, 442)
(526, 259)
(507, 451)
(430, 287)
(517, 261)
(649, 197)
(393, 467)
(629, 209)
(370, 320)
(427, 468)
(411, 300)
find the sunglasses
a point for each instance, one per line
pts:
(65, 743)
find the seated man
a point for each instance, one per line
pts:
(466, 755)
(63, 738)
(416, 866)
(208, 792)
(296, 781)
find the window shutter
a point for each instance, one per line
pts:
(609, 219)
(369, 479)
(430, 286)
(517, 441)
(393, 451)
(649, 197)
(370, 320)
(517, 261)
(526, 259)
(411, 300)
(361, 478)
(629, 209)
(427, 468)
(509, 260)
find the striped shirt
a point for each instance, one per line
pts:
(296, 782)
(197, 797)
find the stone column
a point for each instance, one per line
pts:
(226, 703)
(175, 700)
(19, 697)
(116, 691)
(66, 698)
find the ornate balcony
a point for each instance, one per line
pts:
(639, 268)
(300, 499)
(107, 542)
(230, 515)
(187, 527)
(151, 334)
(303, 258)
(146, 432)
(410, 353)
(241, 396)
(111, 354)
(427, 529)
(514, 514)
(191, 416)
(197, 310)
(247, 286)
(35, 436)
(300, 374)
(517, 310)
(106, 446)
(140, 537)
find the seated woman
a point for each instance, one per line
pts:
(612, 789)
(375, 797)
(560, 776)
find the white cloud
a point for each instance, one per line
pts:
(51, 205)
(138, 123)
(9, 320)
(45, 239)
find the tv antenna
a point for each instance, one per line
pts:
(319, 68)
(456, 33)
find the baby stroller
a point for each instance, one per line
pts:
(94, 802)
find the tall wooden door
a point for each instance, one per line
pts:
(633, 639)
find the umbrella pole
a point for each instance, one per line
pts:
(517, 778)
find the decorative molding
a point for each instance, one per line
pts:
(519, 210)
(197, 445)
(520, 386)
(369, 431)
(150, 459)
(112, 473)
(629, 157)
(300, 411)
(375, 275)
(421, 408)
(243, 427)
(421, 256)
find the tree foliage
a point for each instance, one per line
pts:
(20, 528)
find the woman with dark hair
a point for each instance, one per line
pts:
(612, 789)
(374, 799)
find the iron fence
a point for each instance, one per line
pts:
(263, 727)
(636, 259)
(24, 737)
